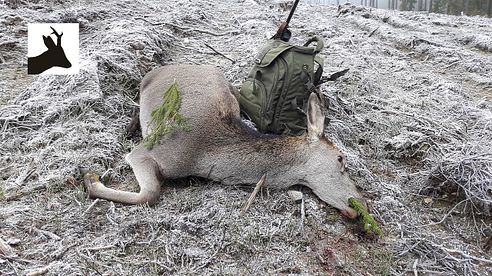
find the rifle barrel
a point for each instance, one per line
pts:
(292, 12)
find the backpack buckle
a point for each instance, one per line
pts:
(310, 86)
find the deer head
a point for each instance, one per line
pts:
(325, 170)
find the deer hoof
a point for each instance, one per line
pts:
(92, 183)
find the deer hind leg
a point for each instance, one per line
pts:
(147, 173)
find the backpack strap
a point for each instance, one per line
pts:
(319, 43)
(319, 71)
(308, 83)
(319, 46)
(311, 84)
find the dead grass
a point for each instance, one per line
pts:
(2, 194)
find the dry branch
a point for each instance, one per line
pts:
(219, 53)
(186, 29)
(253, 194)
(39, 271)
(373, 31)
(90, 207)
(303, 212)
(47, 233)
(5, 249)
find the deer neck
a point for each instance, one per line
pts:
(242, 158)
(42, 62)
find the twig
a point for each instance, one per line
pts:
(409, 249)
(60, 252)
(429, 272)
(463, 254)
(488, 244)
(210, 172)
(253, 194)
(219, 53)
(47, 233)
(5, 249)
(102, 247)
(414, 267)
(151, 23)
(16, 259)
(211, 33)
(373, 31)
(105, 173)
(166, 249)
(451, 64)
(445, 216)
(142, 263)
(25, 192)
(39, 271)
(303, 212)
(186, 29)
(92, 205)
(192, 61)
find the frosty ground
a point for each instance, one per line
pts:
(413, 114)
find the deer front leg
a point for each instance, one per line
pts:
(147, 173)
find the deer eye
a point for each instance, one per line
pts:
(340, 158)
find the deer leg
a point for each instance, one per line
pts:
(147, 173)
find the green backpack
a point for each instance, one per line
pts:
(276, 91)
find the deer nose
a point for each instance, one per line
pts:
(350, 213)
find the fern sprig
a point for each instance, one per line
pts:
(166, 118)
(369, 223)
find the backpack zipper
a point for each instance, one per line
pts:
(271, 95)
(281, 99)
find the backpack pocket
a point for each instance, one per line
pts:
(293, 120)
(253, 101)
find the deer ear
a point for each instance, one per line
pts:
(49, 42)
(315, 118)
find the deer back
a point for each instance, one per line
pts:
(206, 102)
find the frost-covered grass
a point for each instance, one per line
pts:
(412, 115)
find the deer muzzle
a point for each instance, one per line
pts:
(350, 213)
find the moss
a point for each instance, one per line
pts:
(374, 258)
(368, 221)
(166, 118)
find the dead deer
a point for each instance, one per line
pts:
(54, 56)
(220, 147)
